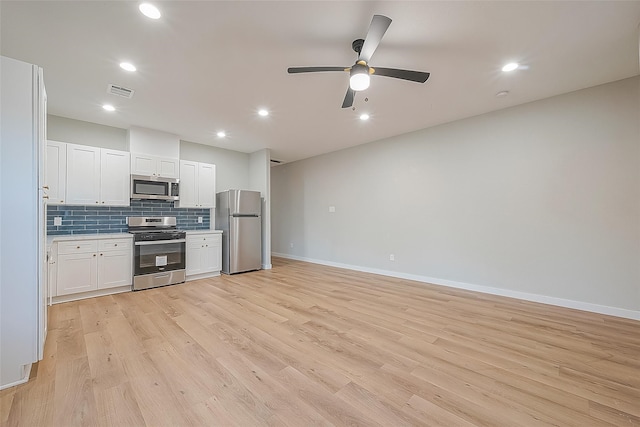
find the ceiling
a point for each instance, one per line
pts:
(210, 65)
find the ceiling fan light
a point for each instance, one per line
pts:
(359, 77)
(359, 81)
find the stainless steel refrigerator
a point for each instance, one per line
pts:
(238, 215)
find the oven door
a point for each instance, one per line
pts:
(159, 256)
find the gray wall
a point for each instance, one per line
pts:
(260, 180)
(232, 167)
(539, 201)
(86, 133)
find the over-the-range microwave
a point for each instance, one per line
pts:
(154, 187)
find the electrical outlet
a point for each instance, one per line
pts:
(199, 220)
(332, 209)
(392, 257)
(291, 245)
(57, 220)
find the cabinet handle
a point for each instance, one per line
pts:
(46, 187)
(115, 244)
(103, 202)
(61, 201)
(97, 201)
(101, 254)
(46, 196)
(77, 247)
(94, 254)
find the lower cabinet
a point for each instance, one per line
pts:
(204, 254)
(92, 265)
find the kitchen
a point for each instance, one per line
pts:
(92, 195)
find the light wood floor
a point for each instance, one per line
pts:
(304, 344)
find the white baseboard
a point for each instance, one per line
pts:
(561, 302)
(202, 276)
(26, 371)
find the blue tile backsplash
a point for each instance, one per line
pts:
(113, 219)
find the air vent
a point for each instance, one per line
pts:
(120, 91)
(275, 162)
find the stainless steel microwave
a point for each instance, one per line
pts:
(154, 187)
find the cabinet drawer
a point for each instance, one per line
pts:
(77, 246)
(213, 238)
(114, 244)
(208, 238)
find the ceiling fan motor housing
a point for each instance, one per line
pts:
(357, 45)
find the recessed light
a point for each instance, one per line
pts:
(109, 107)
(364, 116)
(263, 112)
(127, 66)
(221, 134)
(510, 67)
(502, 93)
(149, 10)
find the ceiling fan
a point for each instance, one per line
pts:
(360, 71)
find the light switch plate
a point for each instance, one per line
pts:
(199, 220)
(332, 209)
(57, 220)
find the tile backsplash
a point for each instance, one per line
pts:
(113, 219)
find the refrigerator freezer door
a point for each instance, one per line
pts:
(244, 244)
(244, 202)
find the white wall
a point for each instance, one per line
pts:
(539, 201)
(260, 180)
(154, 142)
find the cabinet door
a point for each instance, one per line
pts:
(114, 178)
(195, 248)
(143, 164)
(206, 185)
(188, 185)
(76, 273)
(212, 259)
(114, 269)
(167, 167)
(56, 179)
(210, 256)
(83, 175)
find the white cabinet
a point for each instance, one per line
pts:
(115, 261)
(204, 254)
(197, 185)
(83, 175)
(92, 265)
(56, 172)
(97, 176)
(148, 165)
(115, 179)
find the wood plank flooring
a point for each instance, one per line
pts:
(304, 344)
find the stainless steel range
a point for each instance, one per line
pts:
(159, 251)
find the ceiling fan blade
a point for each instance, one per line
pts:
(295, 70)
(378, 27)
(414, 76)
(348, 98)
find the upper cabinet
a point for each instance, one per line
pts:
(148, 165)
(56, 172)
(197, 185)
(97, 176)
